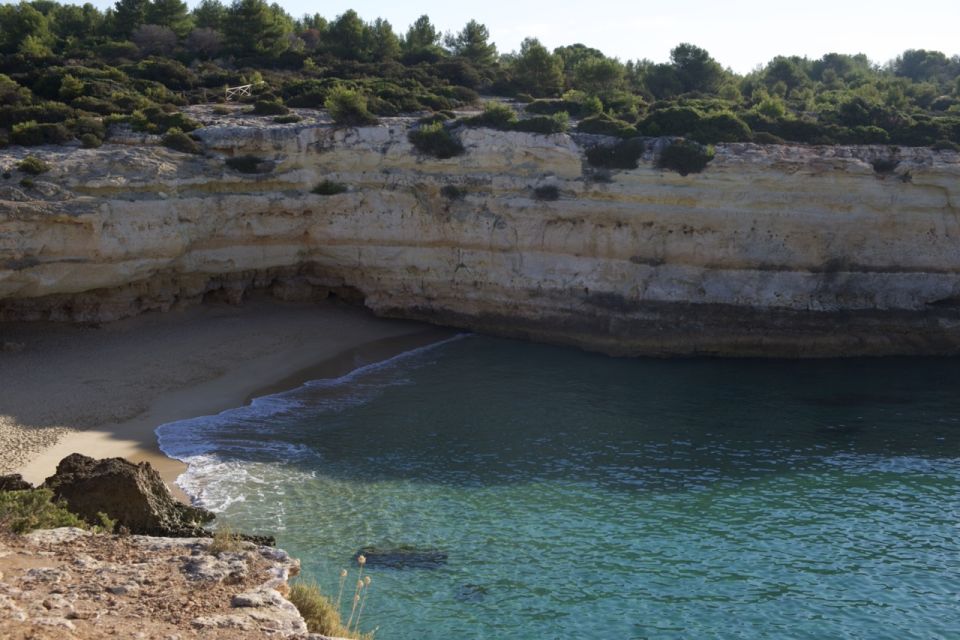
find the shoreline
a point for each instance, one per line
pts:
(266, 347)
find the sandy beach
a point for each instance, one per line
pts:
(102, 390)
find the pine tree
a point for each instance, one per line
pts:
(253, 28)
(537, 71)
(473, 44)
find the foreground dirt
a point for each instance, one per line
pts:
(66, 583)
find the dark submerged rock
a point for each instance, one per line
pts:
(132, 494)
(471, 593)
(14, 482)
(403, 557)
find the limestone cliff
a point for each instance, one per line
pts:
(772, 250)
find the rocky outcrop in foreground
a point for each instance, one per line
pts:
(132, 494)
(70, 583)
(771, 251)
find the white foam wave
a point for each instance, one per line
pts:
(220, 450)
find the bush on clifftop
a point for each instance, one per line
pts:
(348, 107)
(33, 165)
(435, 140)
(685, 157)
(24, 511)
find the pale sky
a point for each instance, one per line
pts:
(739, 34)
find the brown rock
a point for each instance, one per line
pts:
(14, 482)
(132, 494)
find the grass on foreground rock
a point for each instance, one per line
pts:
(319, 612)
(323, 615)
(225, 540)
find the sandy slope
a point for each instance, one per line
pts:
(102, 390)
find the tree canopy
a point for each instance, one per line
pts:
(67, 70)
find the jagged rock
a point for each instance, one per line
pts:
(14, 482)
(228, 621)
(229, 568)
(258, 598)
(132, 494)
(403, 557)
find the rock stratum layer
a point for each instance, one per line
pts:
(771, 251)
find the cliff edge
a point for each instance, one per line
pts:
(770, 251)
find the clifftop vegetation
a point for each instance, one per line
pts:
(67, 71)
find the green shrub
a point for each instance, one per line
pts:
(765, 137)
(435, 102)
(90, 125)
(623, 155)
(434, 118)
(245, 164)
(26, 183)
(496, 115)
(45, 112)
(557, 123)
(90, 141)
(329, 188)
(721, 127)
(452, 192)
(525, 98)
(269, 108)
(578, 108)
(547, 192)
(435, 140)
(288, 119)
(24, 511)
(602, 124)
(549, 107)
(33, 165)
(945, 145)
(868, 135)
(685, 157)
(156, 120)
(221, 110)
(463, 96)
(179, 141)
(31, 134)
(95, 105)
(671, 121)
(348, 107)
(172, 73)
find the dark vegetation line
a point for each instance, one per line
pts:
(68, 71)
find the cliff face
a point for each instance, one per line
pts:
(770, 251)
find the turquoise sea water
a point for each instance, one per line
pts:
(582, 496)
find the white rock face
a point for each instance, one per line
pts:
(772, 250)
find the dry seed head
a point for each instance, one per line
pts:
(356, 598)
(359, 584)
(343, 573)
(361, 560)
(367, 581)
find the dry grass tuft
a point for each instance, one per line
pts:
(320, 614)
(225, 540)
